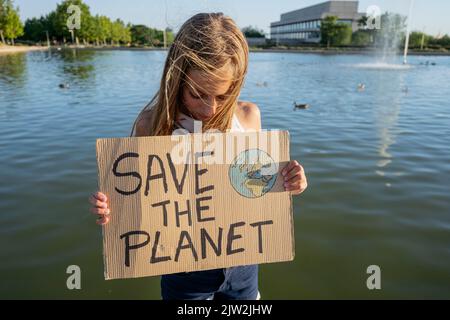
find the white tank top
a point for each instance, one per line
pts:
(186, 122)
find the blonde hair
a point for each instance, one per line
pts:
(205, 42)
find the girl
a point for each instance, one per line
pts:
(203, 75)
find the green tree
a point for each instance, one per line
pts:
(119, 32)
(328, 30)
(170, 36)
(440, 42)
(34, 29)
(444, 41)
(50, 24)
(62, 17)
(417, 39)
(126, 35)
(253, 32)
(158, 39)
(335, 33)
(343, 35)
(105, 26)
(94, 34)
(142, 35)
(3, 10)
(87, 32)
(361, 38)
(364, 39)
(13, 26)
(10, 25)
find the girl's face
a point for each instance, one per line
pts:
(202, 98)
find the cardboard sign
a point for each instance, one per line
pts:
(194, 202)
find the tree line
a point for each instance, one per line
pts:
(101, 30)
(93, 29)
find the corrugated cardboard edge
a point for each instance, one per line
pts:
(291, 200)
(105, 271)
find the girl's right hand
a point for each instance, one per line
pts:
(100, 207)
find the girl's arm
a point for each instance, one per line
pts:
(99, 200)
(294, 175)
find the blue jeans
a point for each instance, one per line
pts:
(235, 283)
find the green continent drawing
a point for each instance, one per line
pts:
(253, 173)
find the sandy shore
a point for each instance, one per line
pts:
(17, 49)
(316, 50)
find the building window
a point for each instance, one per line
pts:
(345, 21)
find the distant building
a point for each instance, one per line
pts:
(303, 25)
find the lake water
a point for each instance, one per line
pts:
(377, 161)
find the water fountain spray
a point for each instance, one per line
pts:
(408, 31)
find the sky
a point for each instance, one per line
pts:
(431, 16)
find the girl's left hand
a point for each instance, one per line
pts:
(294, 178)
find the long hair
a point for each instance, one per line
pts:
(205, 42)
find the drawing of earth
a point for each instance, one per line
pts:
(253, 173)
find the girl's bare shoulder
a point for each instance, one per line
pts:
(249, 115)
(143, 123)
